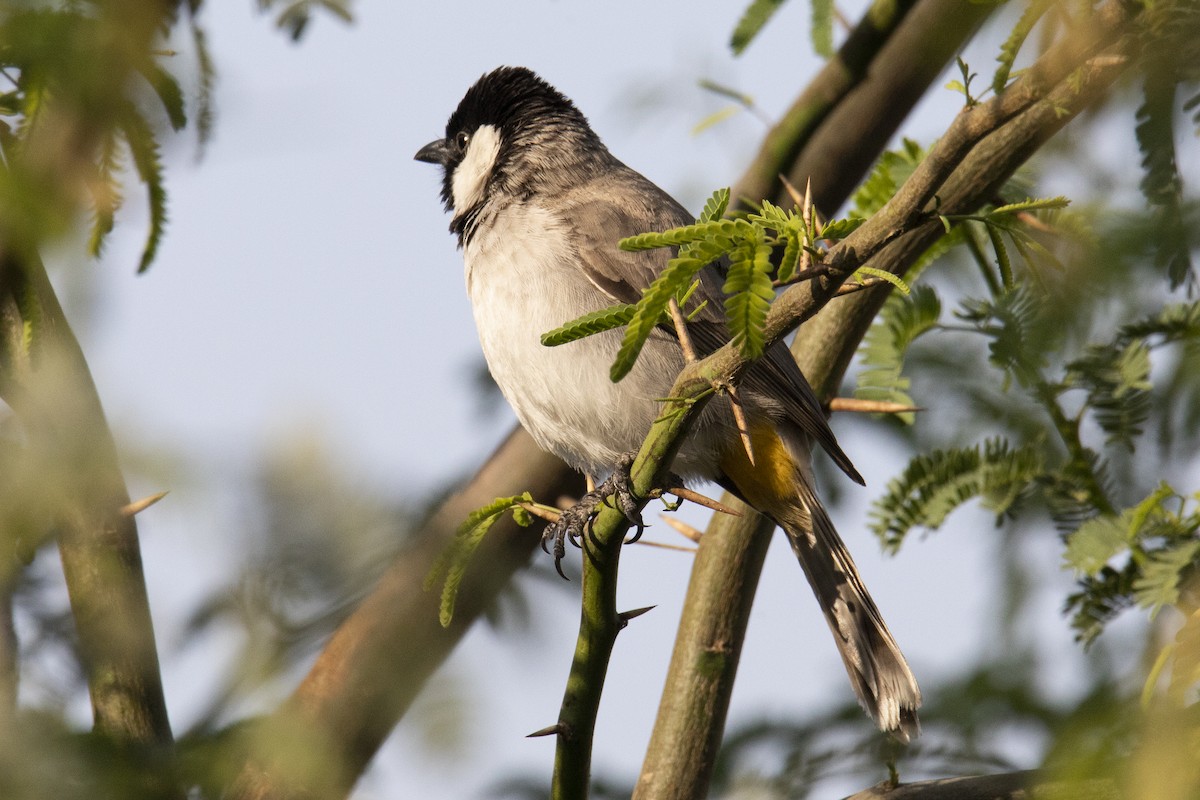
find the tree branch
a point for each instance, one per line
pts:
(859, 99)
(1004, 786)
(53, 395)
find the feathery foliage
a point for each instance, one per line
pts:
(1016, 39)
(590, 324)
(1141, 555)
(70, 84)
(901, 321)
(752, 21)
(294, 16)
(936, 483)
(745, 244)
(451, 565)
(1172, 60)
(748, 293)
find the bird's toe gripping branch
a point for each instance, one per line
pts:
(574, 522)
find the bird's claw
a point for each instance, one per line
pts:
(575, 522)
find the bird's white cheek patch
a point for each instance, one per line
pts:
(473, 171)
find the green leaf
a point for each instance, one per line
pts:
(902, 319)
(790, 258)
(892, 169)
(1016, 37)
(106, 193)
(1100, 599)
(715, 207)
(451, 565)
(688, 234)
(1097, 541)
(841, 228)
(739, 97)
(169, 94)
(1031, 204)
(1116, 377)
(1019, 327)
(676, 278)
(205, 109)
(756, 15)
(1002, 260)
(870, 272)
(143, 147)
(936, 483)
(750, 292)
(1159, 584)
(1161, 183)
(822, 27)
(590, 324)
(714, 119)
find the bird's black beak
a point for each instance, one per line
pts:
(436, 152)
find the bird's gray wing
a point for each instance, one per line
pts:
(609, 209)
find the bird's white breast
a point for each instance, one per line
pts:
(523, 280)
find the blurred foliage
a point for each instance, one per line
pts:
(86, 89)
(317, 543)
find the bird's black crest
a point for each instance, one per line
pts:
(512, 98)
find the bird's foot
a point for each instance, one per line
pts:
(574, 522)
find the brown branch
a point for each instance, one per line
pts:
(854, 106)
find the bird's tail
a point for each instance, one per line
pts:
(780, 484)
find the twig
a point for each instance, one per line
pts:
(681, 330)
(695, 534)
(739, 419)
(664, 546)
(541, 512)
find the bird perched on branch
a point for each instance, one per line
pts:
(538, 204)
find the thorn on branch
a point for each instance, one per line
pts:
(138, 506)
(557, 729)
(870, 406)
(624, 617)
(684, 493)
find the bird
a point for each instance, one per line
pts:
(538, 205)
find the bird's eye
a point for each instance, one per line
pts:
(461, 139)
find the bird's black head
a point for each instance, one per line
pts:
(512, 134)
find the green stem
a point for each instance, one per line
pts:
(599, 625)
